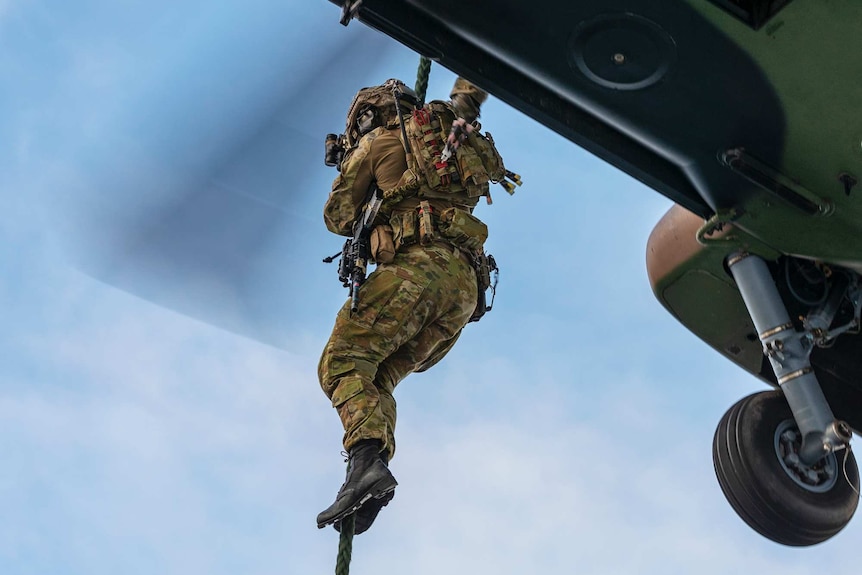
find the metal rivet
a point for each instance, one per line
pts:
(619, 58)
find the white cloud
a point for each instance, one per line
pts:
(140, 429)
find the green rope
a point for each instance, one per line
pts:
(345, 545)
(422, 77)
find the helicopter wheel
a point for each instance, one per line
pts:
(755, 452)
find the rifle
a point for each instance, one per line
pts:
(353, 265)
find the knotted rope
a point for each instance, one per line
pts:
(345, 545)
(422, 77)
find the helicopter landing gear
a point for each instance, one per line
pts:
(757, 463)
(781, 457)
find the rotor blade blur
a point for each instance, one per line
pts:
(205, 194)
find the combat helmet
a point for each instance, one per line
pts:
(381, 101)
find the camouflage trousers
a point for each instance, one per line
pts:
(410, 314)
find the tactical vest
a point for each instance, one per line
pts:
(465, 176)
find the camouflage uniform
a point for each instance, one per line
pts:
(411, 310)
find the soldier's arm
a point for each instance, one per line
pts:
(467, 99)
(349, 190)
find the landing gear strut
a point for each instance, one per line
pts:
(782, 459)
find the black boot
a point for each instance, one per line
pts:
(366, 514)
(367, 478)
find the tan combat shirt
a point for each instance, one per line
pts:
(379, 156)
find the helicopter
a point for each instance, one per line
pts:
(739, 111)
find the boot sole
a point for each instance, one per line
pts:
(377, 491)
(363, 522)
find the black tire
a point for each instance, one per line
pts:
(761, 489)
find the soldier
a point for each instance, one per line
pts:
(413, 307)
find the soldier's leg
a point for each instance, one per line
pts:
(389, 374)
(388, 315)
(426, 348)
(348, 368)
(419, 293)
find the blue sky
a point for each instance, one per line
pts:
(570, 429)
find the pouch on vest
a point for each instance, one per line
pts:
(405, 229)
(382, 244)
(463, 229)
(426, 223)
(487, 152)
(474, 178)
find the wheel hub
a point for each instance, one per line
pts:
(819, 477)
